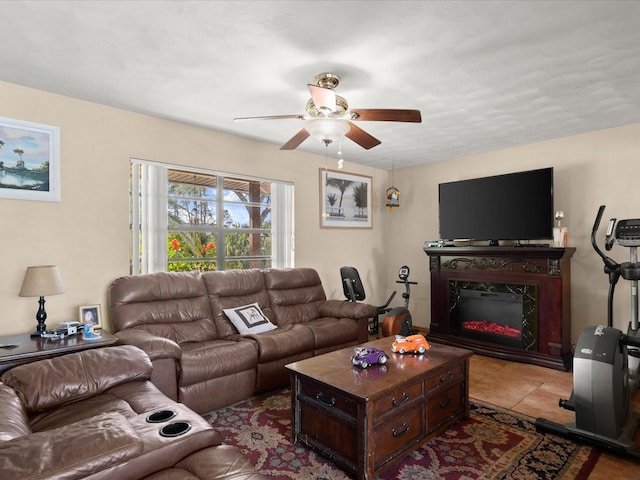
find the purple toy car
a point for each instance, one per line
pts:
(365, 356)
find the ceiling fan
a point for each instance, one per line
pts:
(329, 118)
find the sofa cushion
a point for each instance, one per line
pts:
(49, 383)
(235, 288)
(296, 294)
(287, 341)
(172, 305)
(202, 361)
(331, 332)
(128, 399)
(222, 462)
(73, 451)
(249, 319)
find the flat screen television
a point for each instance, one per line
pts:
(515, 206)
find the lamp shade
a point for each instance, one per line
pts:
(327, 130)
(40, 281)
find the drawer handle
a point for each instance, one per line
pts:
(446, 403)
(331, 402)
(405, 429)
(444, 378)
(395, 402)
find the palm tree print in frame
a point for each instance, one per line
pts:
(29, 161)
(345, 200)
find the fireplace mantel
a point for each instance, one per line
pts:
(546, 268)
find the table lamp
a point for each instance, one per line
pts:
(40, 281)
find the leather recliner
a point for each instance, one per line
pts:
(85, 415)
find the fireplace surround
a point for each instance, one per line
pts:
(507, 302)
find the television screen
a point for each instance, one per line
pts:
(515, 206)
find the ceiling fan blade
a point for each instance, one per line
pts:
(361, 137)
(270, 117)
(296, 140)
(386, 115)
(323, 98)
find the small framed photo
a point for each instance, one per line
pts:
(29, 161)
(90, 314)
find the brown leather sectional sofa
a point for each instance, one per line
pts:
(86, 415)
(198, 356)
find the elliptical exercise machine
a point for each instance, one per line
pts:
(605, 365)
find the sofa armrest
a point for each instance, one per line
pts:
(155, 347)
(15, 422)
(344, 309)
(73, 451)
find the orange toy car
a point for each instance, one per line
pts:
(411, 344)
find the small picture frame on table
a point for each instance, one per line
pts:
(90, 315)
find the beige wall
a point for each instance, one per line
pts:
(589, 170)
(87, 233)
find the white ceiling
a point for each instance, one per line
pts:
(485, 74)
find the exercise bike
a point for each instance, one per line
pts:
(397, 321)
(605, 365)
(354, 292)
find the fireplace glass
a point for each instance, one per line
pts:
(504, 314)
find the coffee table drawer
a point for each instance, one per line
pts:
(454, 374)
(399, 432)
(397, 400)
(444, 406)
(329, 398)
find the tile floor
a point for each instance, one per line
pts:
(535, 391)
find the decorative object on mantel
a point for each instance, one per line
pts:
(40, 281)
(560, 233)
(29, 161)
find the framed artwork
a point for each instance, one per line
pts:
(91, 315)
(345, 200)
(29, 161)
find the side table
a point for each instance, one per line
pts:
(29, 349)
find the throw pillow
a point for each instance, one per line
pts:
(249, 319)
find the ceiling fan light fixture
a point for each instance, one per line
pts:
(327, 130)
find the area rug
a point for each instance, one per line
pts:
(492, 444)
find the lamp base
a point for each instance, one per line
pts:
(41, 317)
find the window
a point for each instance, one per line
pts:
(185, 219)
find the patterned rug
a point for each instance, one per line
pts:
(492, 444)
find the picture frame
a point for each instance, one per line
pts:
(90, 314)
(345, 199)
(29, 161)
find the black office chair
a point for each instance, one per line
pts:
(354, 292)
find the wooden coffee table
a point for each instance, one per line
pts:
(365, 420)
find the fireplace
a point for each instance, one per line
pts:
(507, 302)
(504, 314)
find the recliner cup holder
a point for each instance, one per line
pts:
(175, 429)
(160, 416)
